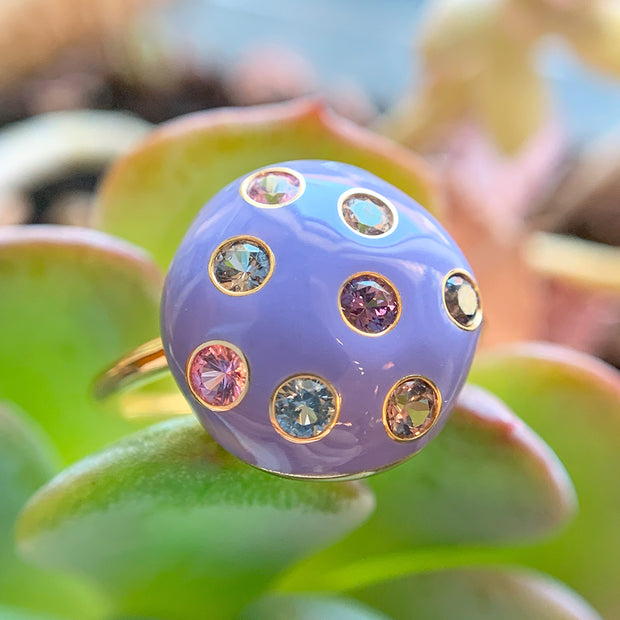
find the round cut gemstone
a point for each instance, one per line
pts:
(273, 187)
(369, 303)
(462, 300)
(411, 408)
(304, 408)
(218, 375)
(241, 265)
(367, 214)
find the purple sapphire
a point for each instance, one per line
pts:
(369, 303)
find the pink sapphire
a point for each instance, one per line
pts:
(274, 187)
(218, 376)
(369, 303)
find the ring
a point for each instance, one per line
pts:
(144, 364)
(141, 366)
(319, 322)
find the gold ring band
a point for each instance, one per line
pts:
(142, 365)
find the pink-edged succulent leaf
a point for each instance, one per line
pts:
(491, 232)
(486, 479)
(477, 594)
(27, 461)
(152, 195)
(588, 265)
(71, 302)
(172, 526)
(573, 402)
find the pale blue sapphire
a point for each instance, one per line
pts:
(304, 407)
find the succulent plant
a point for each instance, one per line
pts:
(478, 64)
(511, 512)
(44, 155)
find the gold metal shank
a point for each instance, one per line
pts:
(142, 365)
(243, 189)
(153, 406)
(370, 274)
(326, 430)
(239, 352)
(260, 243)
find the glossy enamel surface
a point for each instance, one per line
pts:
(293, 325)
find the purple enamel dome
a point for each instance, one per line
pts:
(320, 322)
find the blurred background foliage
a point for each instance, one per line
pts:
(514, 103)
(500, 116)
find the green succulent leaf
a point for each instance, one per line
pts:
(151, 196)
(573, 401)
(477, 594)
(27, 461)
(170, 525)
(487, 478)
(287, 607)
(15, 613)
(71, 302)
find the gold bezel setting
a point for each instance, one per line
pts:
(466, 276)
(438, 405)
(241, 238)
(371, 274)
(243, 189)
(326, 430)
(243, 358)
(360, 190)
